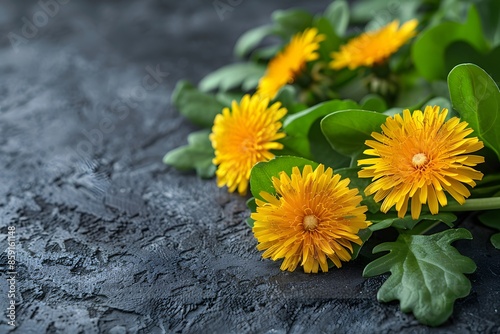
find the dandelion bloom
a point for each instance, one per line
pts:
(283, 68)
(313, 217)
(373, 47)
(421, 156)
(243, 136)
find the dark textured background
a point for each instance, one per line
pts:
(111, 240)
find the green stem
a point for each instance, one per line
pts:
(423, 227)
(474, 204)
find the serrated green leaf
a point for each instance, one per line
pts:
(347, 130)
(245, 75)
(476, 97)
(337, 13)
(250, 39)
(200, 108)
(263, 172)
(427, 274)
(428, 50)
(205, 168)
(197, 155)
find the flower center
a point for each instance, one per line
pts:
(310, 222)
(249, 145)
(419, 160)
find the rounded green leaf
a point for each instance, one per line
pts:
(261, 176)
(475, 95)
(298, 126)
(347, 130)
(428, 51)
(373, 102)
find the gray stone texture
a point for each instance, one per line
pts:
(111, 240)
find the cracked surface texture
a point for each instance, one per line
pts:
(111, 240)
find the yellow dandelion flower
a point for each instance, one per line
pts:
(243, 136)
(314, 217)
(283, 68)
(373, 47)
(421, 156)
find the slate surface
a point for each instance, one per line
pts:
(110, 240)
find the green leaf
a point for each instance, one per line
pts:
(462, 52)
(347, 130)
(197, 155)
(337, 13)
(298, 126)
(266, 53)
(414, 92)
(363, 11)
(495, 240)
(246, 75)
(200, 108)
(291, 21)
(253, 208)
(321, 150)
(426, 274)
(487, 187)
(407, 223)
(490, 14)
(226, 98)
(288, 98)
(250, 39)
(263, 172)
(492, 220)
(443, 103)
(364, 235)
(361, 184)
(373, 102)
(331, 42)
(475, 95)
(428, 51)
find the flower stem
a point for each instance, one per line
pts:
(423, 227)
(474, 204)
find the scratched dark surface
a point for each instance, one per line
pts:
(111, 240)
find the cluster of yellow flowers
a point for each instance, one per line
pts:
(314, 215)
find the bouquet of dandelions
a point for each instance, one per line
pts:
(340, 132)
